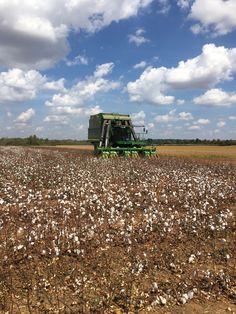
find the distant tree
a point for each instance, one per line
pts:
(33, 140)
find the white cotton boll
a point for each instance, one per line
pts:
(183, 300)
(155, 286)
(190, 295)
(20, 232)
(76, 238)
(19, 247)
(57, 251)
(163, 300)
(156, 302)
(191, 259)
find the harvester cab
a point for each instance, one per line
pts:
(113, 135)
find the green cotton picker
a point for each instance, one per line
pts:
(113, 135)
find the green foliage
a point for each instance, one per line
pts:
(33, 140)
(196, 141)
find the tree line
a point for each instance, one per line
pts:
(33, 140)
(196, 141)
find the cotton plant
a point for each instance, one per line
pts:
(91, 232)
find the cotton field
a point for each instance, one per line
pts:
(79, 234)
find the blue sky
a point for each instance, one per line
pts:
(170, 64)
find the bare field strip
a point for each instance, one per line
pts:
(79, 147)
(88, 235)
(199, 151)
(210, 152)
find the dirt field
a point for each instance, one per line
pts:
(212, 152)
(80, 234)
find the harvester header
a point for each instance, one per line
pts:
(113, 134)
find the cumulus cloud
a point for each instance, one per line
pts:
(103, 69)
(34, 34)
(164, 6)
(25, 116)
(212, 66)
(138, 38)
(74, 100)
(140, 65)
(203, 121)
(55, 85)
(232, 118)
(194, 127)
(57, 119)
(138, 117)
(221, 124)
(92, 110)
(172, 116)
(150, 125)
(180, 102)
(216, 97)
(185, 116)
(150, 87)
(80, 59)
(62, 114)
(17, 85)
(183, 4)
(216, 16)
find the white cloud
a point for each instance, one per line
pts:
(61, 115)
(140, 65)
(216, 97)
(17, 85)
(34, 34)
(80, 59)
(180, 102)
(221, 124)
(183, 4)
(194, 127)
(138, 117)
(26, 116)
(103, 69)
(55, 85)
(185, 116)
(57, 119)
(39, 129)
(212, 66)
(166, 118)
(232, 118)
(84, 90)
(74, 100)
(197, 29)
(173, 117)
(149, 87)
(203, 121)
(164, 6)
(216, 16)
(150, 125)
(64, 110)
(92, 110)
(138, 38)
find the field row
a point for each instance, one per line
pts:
(79, 234)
